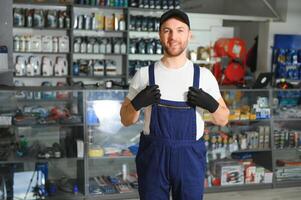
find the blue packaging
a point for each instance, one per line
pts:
(280, 70)
(75, 69)
(92, 119)
(299, 56)
(43, 167)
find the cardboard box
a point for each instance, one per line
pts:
(268, 176)
(250, 174)
(232, 175)
(259, 177)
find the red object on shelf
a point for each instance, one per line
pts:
(233, 50)
(216, 181)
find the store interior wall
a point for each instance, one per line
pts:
(6, 24)
(206, 30)
(6, 39)
(245, 30)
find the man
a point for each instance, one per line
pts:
(174, 93)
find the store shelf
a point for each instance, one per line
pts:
(279, 184)
(288, 149)
(252, 150)
(44, 77)
(225, 88)
(95, 56)
(145, 56)
(46, 100)
(239, 187)
(33, 52)
(129, 195)
(238, 121)
(49, 125)
(286, 119)
(149, 10)
(41, 88)
(143, 34)
(13, 159)
(287, 90)
(255, 120)
(98, 7)
(41, 3)
(99, 54)
(5, 126)
(97, 33)
(41, 28)
(113, 157)
(99, 77)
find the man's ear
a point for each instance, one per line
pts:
(189, 35)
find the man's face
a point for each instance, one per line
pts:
(174, 37)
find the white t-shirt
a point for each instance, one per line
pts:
(173, 85)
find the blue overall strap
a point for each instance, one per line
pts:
(151, 74)
(196, 76)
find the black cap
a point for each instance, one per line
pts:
(175, 13)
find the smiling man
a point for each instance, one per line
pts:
(174, 93)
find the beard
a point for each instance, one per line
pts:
(174, 52)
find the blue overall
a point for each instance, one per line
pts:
(170, 158)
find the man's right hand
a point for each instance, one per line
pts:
(148, 96)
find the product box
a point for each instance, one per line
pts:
(268, 176)
(259, 177)
(232, 175)
(250, 174)
(100, 21)
(5, 120)
(109, 23)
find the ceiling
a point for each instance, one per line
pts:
(259, 8)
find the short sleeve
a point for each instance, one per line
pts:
(138, 82)
(211, 84)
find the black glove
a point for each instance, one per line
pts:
(198, 97)
(148, 96)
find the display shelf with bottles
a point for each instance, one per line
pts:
(41, 40)
(99, 42)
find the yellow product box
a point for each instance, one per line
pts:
(109, 23)
(244, 116)
(100, 21)
(96, 153)
(252, 116)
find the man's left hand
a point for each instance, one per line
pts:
(198, 97)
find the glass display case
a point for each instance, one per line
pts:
(71, 144)
(287, 136)
(243, 144)
(42, 135)
(111, 146)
